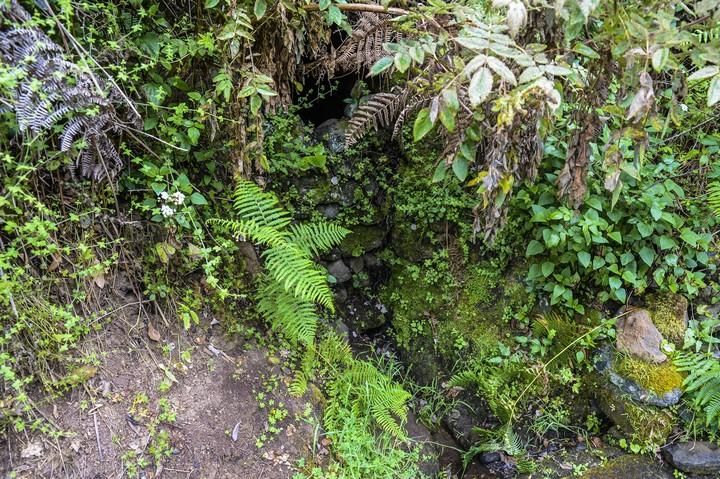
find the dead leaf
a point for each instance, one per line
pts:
(236, 431)
(99, 280)
(33, 449)
(153, 333)
(57, 260)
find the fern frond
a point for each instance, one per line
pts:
(714, 197)
(295, 317)
(380, 111)
(702, 385)
(253, 204)
(288, 265)
(317, 238)
(299, 385)
(250, 230)
(364, 46)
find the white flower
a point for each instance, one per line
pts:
(178, 198)
(164, 195)
(167, 211)
(683, 107)
(334, 180)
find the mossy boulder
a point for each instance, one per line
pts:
(660, 379)
(645, 425)
(630, 467)
(669, 313)
(361, 240)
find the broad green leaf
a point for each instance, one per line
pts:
(557, 70)
(447, 116)
(450, 99)
(255, 103)
(585, 50)
(644, 229)
(666, 242)
(689, 236)
(402, 62)
(381, 65)
(703, 73)
(614, 282)
(584, 257)
(534, 248)
(260, 8)
(660, 58)
(460, 168)
(620, 294)
(547, 268)
(530, 74)
(440, 172)
(647, 255)
(198, 199)
(480, 86)
(656, 213)
(598, 262)
(615, 235)
(194, 135)
(422, 125)
(502, 70)
(211, 3)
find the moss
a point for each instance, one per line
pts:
(658, 378)
(668, 312)
(647, 426)
(626, 466)
(362, 239)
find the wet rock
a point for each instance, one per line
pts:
(340, 271)
(330, 211)
(638, 336)
(694, 457)
(332, 133)
(361, 314)
(363, 239)
(429, 464)
(605, 364)
(630, 467)
(460, 421)
(357, 265)
(490, 457)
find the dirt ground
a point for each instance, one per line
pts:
(223, 393)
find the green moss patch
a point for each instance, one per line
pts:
(668, 312)
(658, 378)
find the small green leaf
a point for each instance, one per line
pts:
(660, 58)
(422, 125)
(534, 247)
(198, 199)
(255, 103)
(598, 262)
(547, 268)
(656, 213)
(644, 229)
(260, 8)
(585, 50)
(647, 255)
(704, 73)
(480, 86)
(666, 242)
(211, 3)
(714, 91)
(584, 257)
(440, 172)
(381, 65)
(614, 282)
(616, 236)
(689, 236)
(193, 134)
(621, 294)
(460, 168)
(402, 62)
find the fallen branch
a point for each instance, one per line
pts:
(362, 7)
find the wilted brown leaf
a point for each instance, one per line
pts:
(153, 333)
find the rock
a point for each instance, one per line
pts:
(362, 240)
(694, 457)
(641, 423)
(357, 265)
(669, 313)
(340, 271)
(332, 133)
(429, 464)
(330, 211)
(361, 314)
(638, 336)
(647, 383)
(630, 467)
(460, 421)
(490, 457)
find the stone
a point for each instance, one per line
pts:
(630, 467)
(363, 239)
(340, 271)
(638, 336)
(361, 314)
(699, 457)
(669, 313)
(332, 133)
(330, 211)
(429, 464)
(357, 265)
(605, 363)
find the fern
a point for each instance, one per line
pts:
(702, 386)
(364, 46)
(714, 197)
(380, 111)
(293, 283)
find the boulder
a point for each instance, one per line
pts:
(694, 457)
(638, 336)
(332, 133)
(340, 271)
(361, 240)
(630, 467)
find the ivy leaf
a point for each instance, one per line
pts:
(422, 125)
(381, 65)
(656, 213)
(647, 255)
(621, 294)
(460, 168)
(584, 257)
(480, 86)
(714, 91)
(598, 262)
(614, 282)
(260, 8)
(644, 229)
(534, 248)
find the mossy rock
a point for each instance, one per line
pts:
(361, 240)
(629, 466)
(648, 426)
(658, 378)
(409, 244)
(669, 313)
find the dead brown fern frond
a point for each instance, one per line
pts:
(380, 111)
(364, 46)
